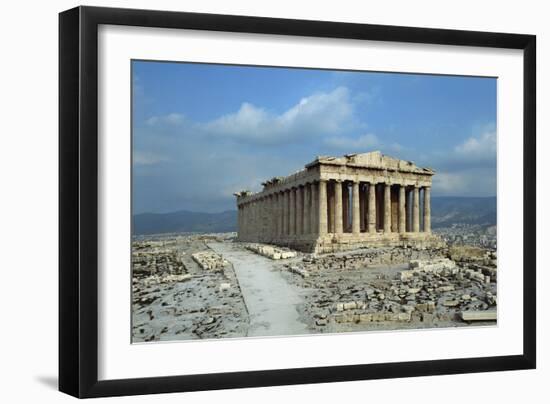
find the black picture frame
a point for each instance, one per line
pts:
(78, 201)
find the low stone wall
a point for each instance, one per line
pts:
(272, 252)
(433, 288)
(349, 241)
(209, 260)
(378, 256)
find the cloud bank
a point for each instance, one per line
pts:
(184, 164)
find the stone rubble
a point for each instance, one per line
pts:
(269, 251)
(174, 297)
(432, 288)
(363, 258)
(209, 260)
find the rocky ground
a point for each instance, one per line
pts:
(174, 298)
(187, 287)
(395, 288)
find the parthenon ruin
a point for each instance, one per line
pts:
(341, 203)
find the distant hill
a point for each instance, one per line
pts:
(445, 211)
(185, 222)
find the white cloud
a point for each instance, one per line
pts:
(170, 119)
(320, 114)
(351, 145)
(483, 146)
(141, 158)
(465, 182)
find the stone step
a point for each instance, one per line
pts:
(485, 315)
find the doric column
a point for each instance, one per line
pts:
(338, 222)
(345, 207)
(356, 212)
(260, 209)
(322, 220)
(280, 214)
(402, 220)
(252, 219)
(372, 208)
(427, 211)
(314, 214)
(292, 212)
(272, 217)
(307, 209)
(285, 213)
(387, 208)
(416, 210)
(299, 210)
(363, 207)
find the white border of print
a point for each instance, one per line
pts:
(118, 359)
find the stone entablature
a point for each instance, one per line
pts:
(337, 203)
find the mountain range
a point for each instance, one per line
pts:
(446, 211)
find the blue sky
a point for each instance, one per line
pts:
(202, 132)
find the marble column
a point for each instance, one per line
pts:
(280, 213)
(292, 212)
(280, 198)
(416, 210)
(299, 210)
(402, 215)
(427, 211)
(322, 217)
(272, 216)
(338, 222)
(307, 209)
(314, 214)
(372, 208)
(346, 225)
(285, 213)
(363, 207)
(356, 212)
(387, 208)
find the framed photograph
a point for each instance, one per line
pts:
(250, 201)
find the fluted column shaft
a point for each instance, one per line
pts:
(307, 209)
(299, 210)
(314, 214)
(322, 218)
(275, 218)
(285, 212)
(356, 213)
(280, 218)
(427, 211)
(416, 210)
(338, 222)
(402, 210)
(387, 208)
(292, 213)
(372, 208)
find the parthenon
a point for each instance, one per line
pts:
(342, 203)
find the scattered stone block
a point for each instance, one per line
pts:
(269, 251)
(321, 322)
(404, 316)
(427, 317)
(365, 318)
(485, 315)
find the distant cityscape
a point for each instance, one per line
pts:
(469, 234)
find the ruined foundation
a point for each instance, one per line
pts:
(342, 203)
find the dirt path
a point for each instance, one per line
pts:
(271, 301)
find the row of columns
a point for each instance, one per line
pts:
(324, 207)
